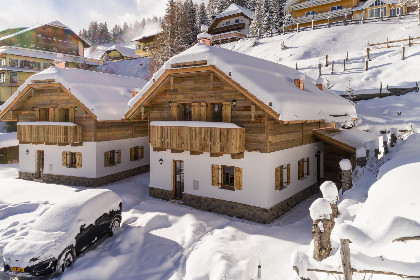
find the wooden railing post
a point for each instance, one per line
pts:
(345, 258)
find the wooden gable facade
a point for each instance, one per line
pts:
(200, 89)
(48, 101)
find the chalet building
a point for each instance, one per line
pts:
(230, 25)
(234, 134)
(146, 42)
(118, 53)
(26, 51)
(305, 11)
(70, 129)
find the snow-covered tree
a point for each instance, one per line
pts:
(202, 17)
(189, 16)
(256, 22)
(266, 17)
(277, 8)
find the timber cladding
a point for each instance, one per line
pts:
(205, 87)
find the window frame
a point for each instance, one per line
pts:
(217, 116)
(231, 176)
(15, 75)
(2, 77)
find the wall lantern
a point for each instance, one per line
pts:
(234, 102)
(75, 108)
(161, 161)
(27, 151)
(170, 103)
(33, 109)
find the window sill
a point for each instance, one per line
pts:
(227, 188)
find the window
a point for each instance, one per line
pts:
(333, 8)
(217, 112)
(72, 159)
(112, 157)
(227, 22)
(376, 12)
(310, 13)
(186, 112)
(236, 20)
(64, 114)
(13, 62)
(136, 153)
(46, 65)
(231, 177)
(44, 114)
(339, 7)
(2, 62)
(39, 35)
(303, 168)
(394, 12)
(13, 77)
(2, 78)
(282, 177)
(138, 47)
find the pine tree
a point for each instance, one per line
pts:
(256, 22)
(202, 18)
(277, 8)
(250, 5)
(92, 33)
(266, 17)
(189, 16)
(116, 34)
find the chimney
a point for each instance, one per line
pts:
(135, 91)
(320, 83)
(59, 62)
(204, 37)
(299, 81)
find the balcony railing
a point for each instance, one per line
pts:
(321, 16)
(234, 35)
(227, 28)
(309, 4)
(219, 138)
(49, 132)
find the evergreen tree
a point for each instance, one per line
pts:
(277, 8)
(92, 33)
(202, 18)
(266, 17)
(250, 5)
(189, 16)
(103, 34)
(117, 34)
(256, 22)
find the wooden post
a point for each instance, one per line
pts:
(366, 64)
(387, 42)
(313, 24)
(332, 67)
(284, 30)
(345, 258)
(385, 143)
(321, 228)
(381, 14)
(394, 132)
(297, 27)
(403, 51)
(409, 41)
(367, 51)
(346, 182)
(319, 69)
(344, 64)
(329, 22)
(326, 60)
(347, 56)
(296, 66)
(345, 20)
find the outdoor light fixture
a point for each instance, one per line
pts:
(234, 102)
(170, 103)
(75, 108)
(27, 151)
(33, 108)
(161, 161)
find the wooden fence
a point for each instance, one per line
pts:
(389, 44)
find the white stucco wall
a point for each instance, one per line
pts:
(242, 19)
(92, 157)
(258, 174)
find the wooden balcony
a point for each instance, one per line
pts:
(227, 28)
(227, 37)
(49, 132)
(214, 138)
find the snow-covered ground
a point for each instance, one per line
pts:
(159, 239)
(137, 68)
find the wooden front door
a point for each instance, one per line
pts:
(39, 164)
(318, 167)
(178, 179)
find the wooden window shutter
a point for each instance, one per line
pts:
(57, 114)
(281, 176)
(106, 159)
(142, 152)
(79, 160)
(36, 114)
(132, 154)
(214, 175)
(174, 111)
(195, 112)
(51, 115)
(238, 178)
(64, 159)
(288, 174)
(299, 169)
(226, 111)
(71, 115)
(307, 167)
(277, 178)
(203, 112)
(118, 156)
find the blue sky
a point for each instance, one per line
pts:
(77, 13)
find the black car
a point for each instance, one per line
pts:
(63, 232)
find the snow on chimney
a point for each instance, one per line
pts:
(135, 91)
(204, 37)
(299, 81)
(320, 83)
(59, 62)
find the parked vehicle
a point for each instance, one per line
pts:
(52, 243)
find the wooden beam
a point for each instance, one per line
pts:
(189, 64)
(237, 156)
(159, 149)
(173, 151)
(216, 154)
(193, 153)
(325, 138)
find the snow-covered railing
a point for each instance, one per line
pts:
(228, 35)
(320, 16)
(194, 136)
(49, 132)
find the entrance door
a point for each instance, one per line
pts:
(178, 179)
(318, 167)
(39, 164)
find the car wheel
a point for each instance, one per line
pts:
(66, 260)
(114, 225)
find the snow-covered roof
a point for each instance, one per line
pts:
(289, 4)
(355, 137)
(55, 23)
(105, 95)
(46, 55)
(8, 139)
(148, 33)
(123, 50)
(270, 83)
(18, 69)
(136, 68)
(234, 9)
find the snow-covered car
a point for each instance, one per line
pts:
(62, 233)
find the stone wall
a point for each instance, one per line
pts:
(86, 182)
(238, 210)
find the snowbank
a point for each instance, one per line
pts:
(320, 209)
(329, 191)
(136, 68)
(345, 164)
